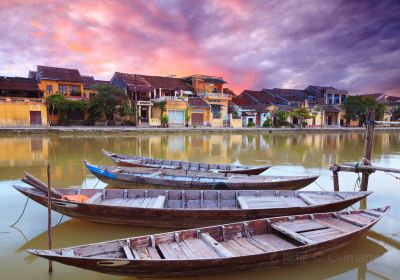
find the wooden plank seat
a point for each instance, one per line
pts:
(292, 234)
(97, 197)
(159, 203)
(270, 242)
(242, 203)
(307, 199)
(211, 242)
(358, 220)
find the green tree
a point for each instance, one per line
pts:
(357, 107)
(109, 100)
(281, 118)
(396, 113)
(302, 114)
(62, 105)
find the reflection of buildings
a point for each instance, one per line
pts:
(314, 150)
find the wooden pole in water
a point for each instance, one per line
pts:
(49, 214)
(369, 141)
(335, 176)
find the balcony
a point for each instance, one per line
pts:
(75, 94)
(169, 98)
(215, 95)
(20, 99)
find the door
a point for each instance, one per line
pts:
(176, 117)
(197, 118)
(35, 117)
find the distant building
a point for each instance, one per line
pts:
(145, 92)
(211, 89)
(88, 85)
(21, 102)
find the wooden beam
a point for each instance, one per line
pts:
(160, 201)
(97, 197)
(335, 177)
(242, 203)
(369, 141)
(221, 250)
(292, 234)
(307, 199)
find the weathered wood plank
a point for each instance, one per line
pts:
(94, 199)
(160, 201)
(221, 250)
(242, 203)
(292, 234)
(271, 240)
(307, 199)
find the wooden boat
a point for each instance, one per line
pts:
(222, 248)
(136, 177)
(185, 209)
(137, 161)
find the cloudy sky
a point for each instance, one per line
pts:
(347, 44)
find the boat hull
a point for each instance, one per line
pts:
(174, 218)
(206, 267)
(118, 180)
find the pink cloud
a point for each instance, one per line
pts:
(252, 44)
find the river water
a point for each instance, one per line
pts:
(375, 256)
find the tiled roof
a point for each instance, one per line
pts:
(32, 74)
(18, 83)
(167, 83)
(393, 99)
(58, 74)
(248, 100)
(89, 81)
(198, 102)
(154, 81)
(289, 95)
(330, 108)
(286, 108)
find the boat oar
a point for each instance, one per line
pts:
(36, 183)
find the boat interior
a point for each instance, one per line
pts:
(230, 240)
(209, 199)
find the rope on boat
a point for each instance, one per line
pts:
(23, 211)
(319, 186)
(394, 176)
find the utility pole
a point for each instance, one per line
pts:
(369, 141)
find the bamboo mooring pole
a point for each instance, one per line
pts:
(369, 141)
(49, 214)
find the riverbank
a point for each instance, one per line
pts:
(127, 129)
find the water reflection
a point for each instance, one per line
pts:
(373, 256)
(66, 153)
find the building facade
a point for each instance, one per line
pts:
(21, 103)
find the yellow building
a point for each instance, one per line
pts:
(21, 103)
(211, 89)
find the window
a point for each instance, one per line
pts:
(49, 89)
(343, 98)
(216, 111)
(336, 99)
(329, 99)
(73, 91)
(62, 89)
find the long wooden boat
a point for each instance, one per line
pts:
(185, 209)
(138, 161)
(136, 177)
(223, 248)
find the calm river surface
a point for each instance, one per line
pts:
(375, 256)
